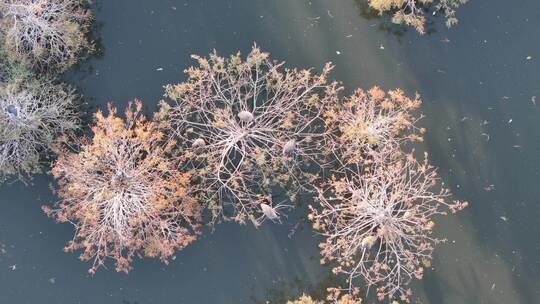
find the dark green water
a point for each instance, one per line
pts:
(475, 80)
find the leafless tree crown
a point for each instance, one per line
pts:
(249, 123)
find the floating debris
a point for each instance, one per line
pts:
(489, 188)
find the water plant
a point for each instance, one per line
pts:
(45, 35)
(124, 193)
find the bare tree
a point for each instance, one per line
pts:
(45, 34)
(377, 211)
(249, 124)
(124, 193)
(34, 114)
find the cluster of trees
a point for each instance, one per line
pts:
(413, 12)
(38, 39)
(249, 127)
(230, 139)
(377, 208)
(224, 145)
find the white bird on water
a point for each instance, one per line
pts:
(271, 213)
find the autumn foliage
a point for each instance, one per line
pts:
(124, 193)
(413, 12)
(35, 113)
(306, 299)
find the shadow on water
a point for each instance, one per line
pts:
(383, 22)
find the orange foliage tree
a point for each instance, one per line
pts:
(124, 193)
(371, 125)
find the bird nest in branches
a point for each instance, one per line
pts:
(249, 124)
(124, 194)
(34, 114)
(45, 34)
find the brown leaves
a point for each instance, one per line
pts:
(124, 193)
(53, 32)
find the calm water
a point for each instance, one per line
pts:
(475, 79)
